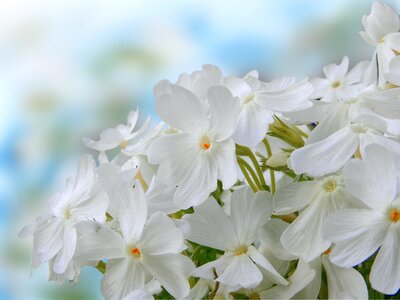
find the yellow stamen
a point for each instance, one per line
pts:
(241, 250)
(335, 84)
(124, 144)
(330, 185)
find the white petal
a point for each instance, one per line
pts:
(249, 211)
(97, 241)
(225, 157)
(271, 238)
(292, 98)
(311, 291)
(263, 262)
(303, 237)
(159, 197)
(241, 271)
(344, 283)
(172, 271)
(92, 209)
(298, 281)
(49, 239)
(132, 211)
(385, 274)
(383, 102)
(67, 251)
(181, 109)
(237, 86)
(334, 119)
(206, 271)
(357, 234)
(372, 180)
(294, 196)
(326, 156)
(224, 110)
(122, 278)
(337, 72)
(211, 227)
(160, 236)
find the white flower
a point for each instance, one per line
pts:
(259, 100)
(330, 154)
(55, 236)
(147, 248)
(358, 233)
(204, 151)
(314, 200)
(382, 31)
(120, 136)
(339, 83)
(342, 283)
(241, 262)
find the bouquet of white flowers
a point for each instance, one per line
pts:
(249, 190)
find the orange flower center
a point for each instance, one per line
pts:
(327, 251)
(135, 252)
(205, 143)
(394, 215)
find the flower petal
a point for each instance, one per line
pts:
(211, 227)
(122, 278)
(241, 271)
(326, 156)
(172, 271)
(357, 234)
(97, 241)
(249, 211)
(385, 274)
(160, 236)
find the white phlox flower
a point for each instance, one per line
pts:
(235, 235)
(148, 247)
(55, 236)
(358, 233)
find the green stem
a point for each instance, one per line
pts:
(271, 171)
(247, 152)
(246, 174)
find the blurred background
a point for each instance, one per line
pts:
(69, 69)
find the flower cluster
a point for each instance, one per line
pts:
(248, 189)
